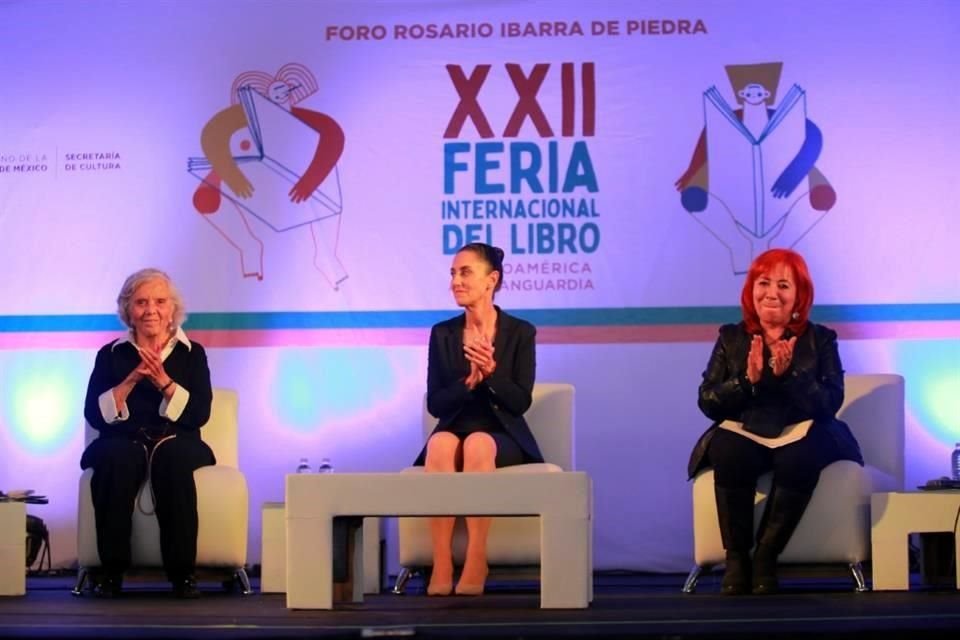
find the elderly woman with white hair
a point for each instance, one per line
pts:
(148, 395)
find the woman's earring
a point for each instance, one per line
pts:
(795, 315)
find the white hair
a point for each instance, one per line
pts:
(133, 282)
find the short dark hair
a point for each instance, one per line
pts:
(493, 256)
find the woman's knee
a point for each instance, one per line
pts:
(798, 466)
(479, 451)
(736, 461)
(114, 454)
(797, 475)
(181, 455)
(734, 448)
(442, 449)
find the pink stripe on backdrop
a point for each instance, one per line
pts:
(311, 337)
(935, 329)
(56, 339)
(633, 334)
(627, 334)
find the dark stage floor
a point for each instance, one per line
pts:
(625, 606)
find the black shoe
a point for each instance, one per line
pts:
(765, 571)
(186, 588)
(736, 575)
(108, 585)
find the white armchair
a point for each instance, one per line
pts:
(513, 541)
(222, 507)
(835, 528)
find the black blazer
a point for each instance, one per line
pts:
(509, 390)
(186, 367)
(811, 388)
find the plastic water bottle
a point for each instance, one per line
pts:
(304, 466)
(325, 466)
(955, 462)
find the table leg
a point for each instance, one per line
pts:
(356, 560)
(956, 556)
(310, 563)
(273, 548)
(891, 563)
(372, 571)
(564, 562)
(13, 548)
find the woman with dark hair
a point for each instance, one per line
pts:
(773, 386)
(148, 395)
(480, 376)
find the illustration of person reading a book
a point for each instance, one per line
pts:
(274, 162)
(772, 388)
(744, 178)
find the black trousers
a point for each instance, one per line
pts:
(119, 469)
(739, 461)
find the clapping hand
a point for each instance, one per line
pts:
(479, 352)
(755, 360)
(135, 376)
(474, 378)
(151, 367)
(781, 355)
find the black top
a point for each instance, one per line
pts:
(187, 367)
(810, 388)
(507, 394)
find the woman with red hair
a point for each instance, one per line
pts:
(772, 388)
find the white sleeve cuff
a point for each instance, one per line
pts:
(108, 408)
(173, 408)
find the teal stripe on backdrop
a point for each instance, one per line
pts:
(540, 317)
(18, 324)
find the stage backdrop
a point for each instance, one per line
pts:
(305, 172)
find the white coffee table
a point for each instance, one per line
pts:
(13, 548)
(273, 551)
(894, 516)
(562, 500)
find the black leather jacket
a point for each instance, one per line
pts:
(812, 388)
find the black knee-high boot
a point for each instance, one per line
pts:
(735, 515)
(780, 519)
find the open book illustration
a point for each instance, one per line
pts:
(283, 146)
(268, 159)
(752, 180)
(744, 164)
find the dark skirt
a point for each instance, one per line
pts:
(476, 416)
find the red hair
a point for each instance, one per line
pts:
(763, 264)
